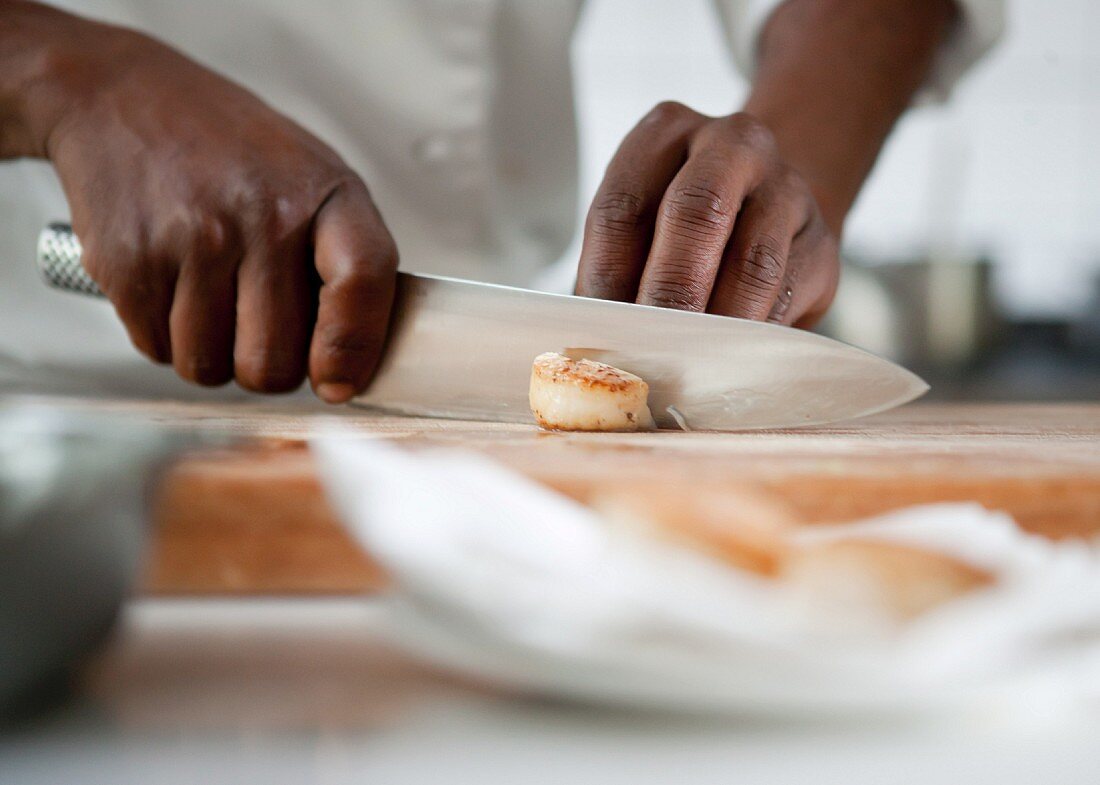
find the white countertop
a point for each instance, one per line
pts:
(297, 691)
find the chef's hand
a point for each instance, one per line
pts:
(702, 214)
(232, 243)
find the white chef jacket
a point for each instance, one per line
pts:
(457, 113)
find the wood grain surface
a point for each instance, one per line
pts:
(252, 518)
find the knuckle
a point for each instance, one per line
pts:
(273, 212)
(211, 237)
(364, 277)
(382, 261)
(751, 131)
(286, 214)
(668, 112)
(371, 260)
(369, 263)
(702, 208)
(789, 180)
(283, 217)
(763, 264)
(785, 195)
(345, 180)
(680, 286)
(619, 212)
(200, 236)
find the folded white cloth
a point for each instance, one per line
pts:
(498, 576)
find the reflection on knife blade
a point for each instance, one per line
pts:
(719, 373)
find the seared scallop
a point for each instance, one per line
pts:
(584, 395)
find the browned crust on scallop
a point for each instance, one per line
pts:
(586, 374)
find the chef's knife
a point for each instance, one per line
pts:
(464, 350)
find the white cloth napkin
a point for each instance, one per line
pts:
(497, 576)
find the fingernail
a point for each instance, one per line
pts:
(335, 392)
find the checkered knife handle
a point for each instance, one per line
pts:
(59, 261)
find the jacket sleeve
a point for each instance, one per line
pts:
(981, 23)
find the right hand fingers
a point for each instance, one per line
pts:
(620, 223)
(751, 281)
(697, 217)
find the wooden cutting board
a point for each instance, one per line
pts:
(253, 518)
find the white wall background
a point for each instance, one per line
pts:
(1010, 167)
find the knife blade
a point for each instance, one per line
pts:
(460, 349)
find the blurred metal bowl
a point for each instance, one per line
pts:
(927, 313)
(73, 492)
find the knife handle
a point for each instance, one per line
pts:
(58, 261)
